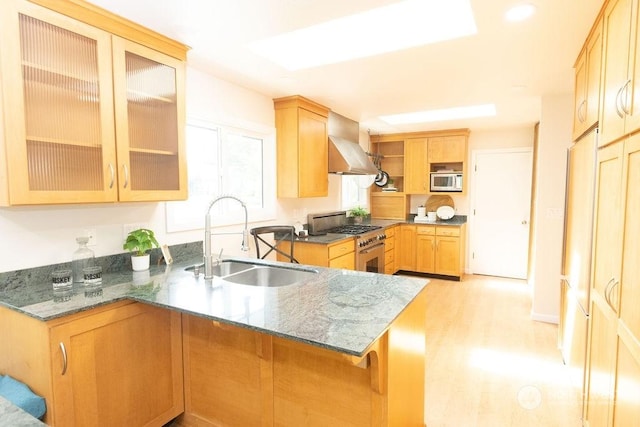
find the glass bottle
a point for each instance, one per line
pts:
(82, 257)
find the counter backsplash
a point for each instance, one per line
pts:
(34, 284)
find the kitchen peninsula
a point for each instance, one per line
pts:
(342, 347)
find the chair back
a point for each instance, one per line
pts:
(281, 233)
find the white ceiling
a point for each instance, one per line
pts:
(511, 65)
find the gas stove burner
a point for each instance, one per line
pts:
(353, 229)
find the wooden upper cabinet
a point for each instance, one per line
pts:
(302, 147)
(416, 166)
(149, 123)
(62, 118)
(447, 149)
(619, 104)
(587, 83)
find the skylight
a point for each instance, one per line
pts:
(469, 112)
(400, 25)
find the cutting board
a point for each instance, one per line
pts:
(437, 200)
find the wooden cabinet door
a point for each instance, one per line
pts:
(406, 253)
(600, 369)
(225, 377)
(58, 109)
(119, 367)
(627, 407)
(346, 261)
(425, 253)
(631, 93)
(607, 233)
(416, 167)
(447, 149)
(580, 95)
(615, 80)
(448, 255)
(313, 161)
(587, 83)
(629, 288)
(149, 103)
(425, 249)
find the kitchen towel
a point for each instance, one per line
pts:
(21, 395)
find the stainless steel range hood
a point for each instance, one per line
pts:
(346, 156)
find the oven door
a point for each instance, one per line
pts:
(371, 258)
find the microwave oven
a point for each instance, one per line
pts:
(450, 182)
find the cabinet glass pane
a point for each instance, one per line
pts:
(153, 124)
(62, 111)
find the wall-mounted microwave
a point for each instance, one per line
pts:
(450, 182)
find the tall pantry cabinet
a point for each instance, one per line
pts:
(613, 391)
(612, 369)
(88, 115)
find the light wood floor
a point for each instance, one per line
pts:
(489, 364)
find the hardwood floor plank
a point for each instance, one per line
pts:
(488, 364)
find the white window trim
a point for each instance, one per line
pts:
(184, 216)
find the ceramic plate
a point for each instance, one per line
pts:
(445, 212)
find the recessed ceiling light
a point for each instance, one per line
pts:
(401, 25)
(473, 111)
(520, 12)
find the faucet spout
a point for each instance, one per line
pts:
(208, 258)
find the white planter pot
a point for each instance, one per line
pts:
(140, 262)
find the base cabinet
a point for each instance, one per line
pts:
(239, 377)
(432, 249)
(336, 255)
(115, 365)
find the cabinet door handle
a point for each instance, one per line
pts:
(64, 358)
(126, 175)
(624, 102)
(619, 103)
(113, 175)
(613, 286)
(606, 291)
(581, 111)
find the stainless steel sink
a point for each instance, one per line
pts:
(270, 276)
(255, 274)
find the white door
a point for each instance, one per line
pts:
(499, 215)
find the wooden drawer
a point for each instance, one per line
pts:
(426, 230)
(346, 261)
(389, 244)
(340, 249)
(389, 257)
(448, 231)
(390, 232)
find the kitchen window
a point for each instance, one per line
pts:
(355, 190)
(230, 161)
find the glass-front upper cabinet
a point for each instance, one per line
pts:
(149, 123)
(87, 116)
(58, 109)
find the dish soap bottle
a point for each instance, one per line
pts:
(82, 257)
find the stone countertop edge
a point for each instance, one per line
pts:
(340, 310)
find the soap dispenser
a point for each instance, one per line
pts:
(82, 257)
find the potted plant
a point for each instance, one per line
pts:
(139, 242)
(358, 214)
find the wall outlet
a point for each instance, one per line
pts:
(91, 234)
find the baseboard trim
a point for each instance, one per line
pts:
(547, 318)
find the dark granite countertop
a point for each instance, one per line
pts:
(341, 310)
(331, 238)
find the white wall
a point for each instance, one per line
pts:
(553, 142)
(40, 235)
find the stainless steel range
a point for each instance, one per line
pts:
(369, 239)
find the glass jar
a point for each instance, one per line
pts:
(83, 257)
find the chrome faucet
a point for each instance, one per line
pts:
(208, 259)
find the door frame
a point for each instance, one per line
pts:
(471, 216)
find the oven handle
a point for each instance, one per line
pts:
(373, 248)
